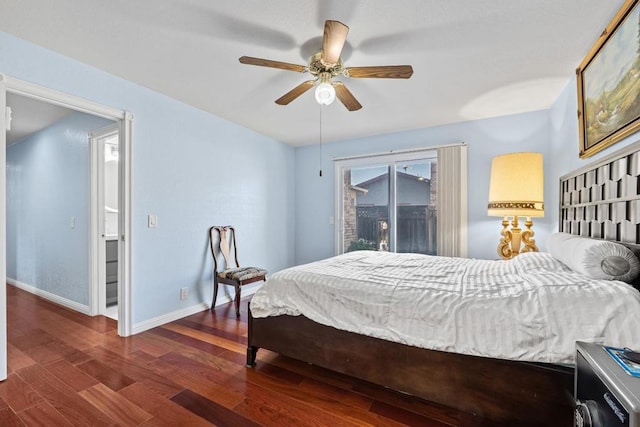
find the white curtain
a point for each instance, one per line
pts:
(452, 201)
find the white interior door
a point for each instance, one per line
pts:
(3, 235)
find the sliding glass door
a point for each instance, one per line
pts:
(388, 203)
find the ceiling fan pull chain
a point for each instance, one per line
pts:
(320, 140)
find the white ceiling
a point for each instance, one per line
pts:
(471, 59)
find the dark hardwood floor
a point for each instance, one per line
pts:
(67, 369)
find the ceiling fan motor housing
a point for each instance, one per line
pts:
(317, 67)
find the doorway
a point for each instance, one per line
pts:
(123, 122)
(104, 148)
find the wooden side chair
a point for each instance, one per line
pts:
(230, 275)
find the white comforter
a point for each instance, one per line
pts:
(531, 308)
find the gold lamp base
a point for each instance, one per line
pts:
(514, 240)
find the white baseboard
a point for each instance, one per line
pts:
(188, 311)
(67, 303)
(223, 298)
(168, 317)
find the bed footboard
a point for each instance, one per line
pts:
(506, 392)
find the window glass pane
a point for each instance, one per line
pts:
(416, 200)
(366, 208)
(390, 202)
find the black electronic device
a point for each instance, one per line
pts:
(633, 356)
(606, 395)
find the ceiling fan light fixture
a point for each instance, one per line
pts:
(325, 93)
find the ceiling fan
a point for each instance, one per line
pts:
(326, 64)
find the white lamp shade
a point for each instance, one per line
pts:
(325, 93)
(517, 185)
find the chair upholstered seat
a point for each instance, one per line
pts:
(242, 273)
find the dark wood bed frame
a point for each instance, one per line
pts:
(593, 203)
(505, 392)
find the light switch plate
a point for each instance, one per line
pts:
(152, 221)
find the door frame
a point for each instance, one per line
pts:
(3, 230)
(124, 119)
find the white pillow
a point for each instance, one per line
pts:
(597, 259)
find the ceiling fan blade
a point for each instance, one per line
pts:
(295, 92)
(273, 64)
(346, 97)
(335, 34)
(381, 72)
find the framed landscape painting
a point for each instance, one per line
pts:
(609, 83)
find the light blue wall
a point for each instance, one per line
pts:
(486, 138)
(565, 142)
(553, 132)
(192, 170)
(272, 193)
(47, 187)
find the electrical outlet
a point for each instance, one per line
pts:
(184, 292)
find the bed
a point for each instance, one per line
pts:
(499, 382)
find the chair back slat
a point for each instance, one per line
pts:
(224, 246)
(226, 236)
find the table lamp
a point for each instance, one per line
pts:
(516, 189)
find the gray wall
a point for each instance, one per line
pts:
(410, 191)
